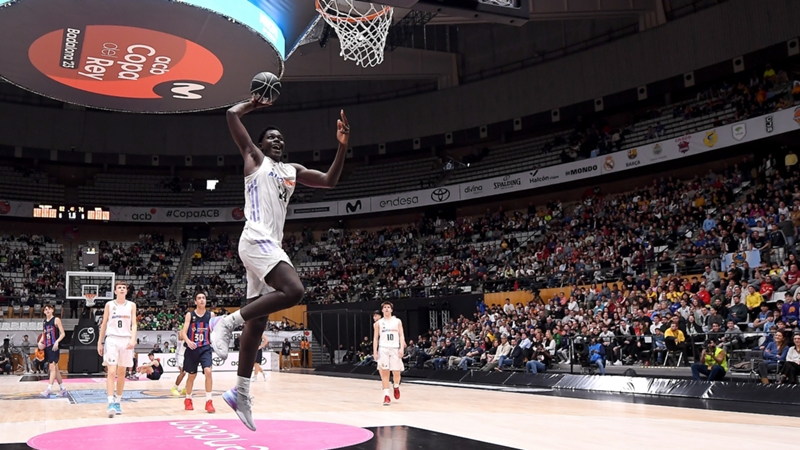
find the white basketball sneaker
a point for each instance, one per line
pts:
(221, 336)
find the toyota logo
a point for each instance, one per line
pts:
(440, 195)
(263, 361)
(171, 362)
(217, 361)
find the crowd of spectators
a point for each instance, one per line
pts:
(42, 271)
(153, 274)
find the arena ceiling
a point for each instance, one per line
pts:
(443, 42)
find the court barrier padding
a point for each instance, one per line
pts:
(663, 387)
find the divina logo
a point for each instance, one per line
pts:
(473, 189)
(353, 207)
(581, 170)
(399, 201)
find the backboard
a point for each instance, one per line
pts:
(80, 283)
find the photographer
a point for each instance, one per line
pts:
(714, 363)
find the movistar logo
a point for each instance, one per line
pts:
(353, 207)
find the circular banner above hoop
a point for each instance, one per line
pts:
(147, 56)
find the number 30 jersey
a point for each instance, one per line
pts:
(119, 319)
(390, 333)
(199, 330)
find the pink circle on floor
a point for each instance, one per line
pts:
(205, 434)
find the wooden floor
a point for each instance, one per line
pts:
(508, 419)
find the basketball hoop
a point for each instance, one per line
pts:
(90, 300)
(362, 34)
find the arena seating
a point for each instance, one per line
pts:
(26, 184)
(31, 267)
(387, 178)
(138, 190)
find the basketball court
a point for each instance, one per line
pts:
(305, 411)
(153, 56)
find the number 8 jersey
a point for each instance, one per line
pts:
(390, 333)
(119, 319)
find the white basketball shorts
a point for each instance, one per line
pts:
(115, 352)
(259, 257)
(179, 350)
(389, 359)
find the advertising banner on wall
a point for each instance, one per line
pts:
(170, 362)
(176, 215)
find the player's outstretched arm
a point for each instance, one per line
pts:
(250, 152)
(328, 180)
(103, 325)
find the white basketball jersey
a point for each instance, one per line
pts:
(266, 195)
(390, 333)
(119, 319)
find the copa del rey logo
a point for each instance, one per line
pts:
(739, 131)
(683, 143)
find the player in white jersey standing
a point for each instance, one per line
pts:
(119, 329)
(388, 345)
(272, 282)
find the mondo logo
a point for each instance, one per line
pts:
(581, 170)
(440, 195)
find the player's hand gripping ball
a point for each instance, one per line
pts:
(265, 88)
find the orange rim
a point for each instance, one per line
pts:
(368, 18)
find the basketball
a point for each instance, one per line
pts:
(265, 87)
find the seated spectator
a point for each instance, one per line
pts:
(540, 360)
(791, 369)
(5, 360)
(774, 354)
(597, 355)
(714, 363)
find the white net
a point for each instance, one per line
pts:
(361, 27)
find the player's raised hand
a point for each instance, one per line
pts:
(342, 129)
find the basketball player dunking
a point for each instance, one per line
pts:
(388, 346)
(52, 336)
(272, 282)
(198, 352)
(119, 326)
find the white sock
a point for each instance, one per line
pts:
(396, 386)
(189, 396)
(237, 318)
(60, 386)
(243, 386)
(208, 396)
(111, 399)
(176, 387)
(386, 392)
(49, 387)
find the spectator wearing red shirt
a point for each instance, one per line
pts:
(703, 295)
(791, 280)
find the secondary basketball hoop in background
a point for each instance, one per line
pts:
(361, 27)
